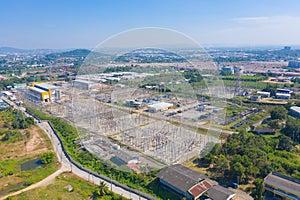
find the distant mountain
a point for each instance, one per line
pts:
(150, 55)
(74, 53)
(11, 50)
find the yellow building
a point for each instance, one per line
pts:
(43, 92)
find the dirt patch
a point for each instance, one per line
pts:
(36, 143)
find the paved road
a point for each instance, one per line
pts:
(67, 165)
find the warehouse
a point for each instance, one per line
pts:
(264, 94)
(295, 111)
(180, 179)
(83, 84)
(283, 96)
(191, 184)
(158, 107)
(279, 186)
(43, 92)
(284, 91)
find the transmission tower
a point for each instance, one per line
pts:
(238, 71)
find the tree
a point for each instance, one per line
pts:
(278, 112)
(101, 191)
(47, 157)
(258, 190)
(285, 143)
(238, 171)
(275, 124)
(221, 163)
(271, 89)
(292, 129)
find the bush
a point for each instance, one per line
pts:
(47, 157)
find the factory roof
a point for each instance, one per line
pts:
(37, 89)
(218, 192)
(283, 94)
(83, 81)
(280, 90)
(296, 108)
(262, 92)
(265, 130)
(160, 105)
(180, 177)
(46, 86)
(279, 180)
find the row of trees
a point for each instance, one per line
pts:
(245, 78)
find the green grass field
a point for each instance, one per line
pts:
(56, 190)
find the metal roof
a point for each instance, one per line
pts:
(83, 81)
(262, 92)
(180, 177)
(218, 192)
(46, 86)
(283, 94)
(281, 181)
(160, 105)
(37, 89)
(295, 108)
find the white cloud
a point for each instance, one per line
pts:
(251, 19)
(282, 19)
(261, 30)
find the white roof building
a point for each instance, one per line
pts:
(162, 106)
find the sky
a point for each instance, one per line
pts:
(62, 24)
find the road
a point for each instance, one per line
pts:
(79, 172)
(67, 165)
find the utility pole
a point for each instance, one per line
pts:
(110, 182)
(237, 88)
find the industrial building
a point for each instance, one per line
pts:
(265, 130)
(191, 184)
(43, 92)
(83, 84)
(279, 186)
(284, 91)
(264, 94)
(283, 96)
(295, 111)
(20, 85)
(158, 107)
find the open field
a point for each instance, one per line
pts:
(57, 190)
